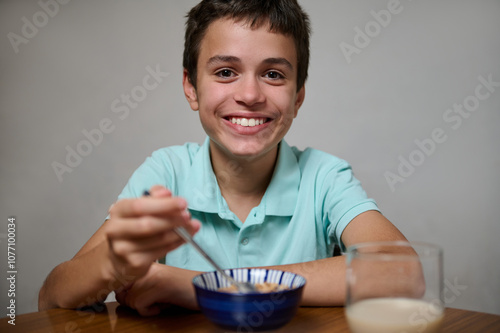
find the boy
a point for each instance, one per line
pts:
(248, 197)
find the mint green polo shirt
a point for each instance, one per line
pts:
(311, 198)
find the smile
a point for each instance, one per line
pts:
(247, 122)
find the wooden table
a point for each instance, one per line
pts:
(114, 318)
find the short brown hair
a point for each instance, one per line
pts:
(283, 16)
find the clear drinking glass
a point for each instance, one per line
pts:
(394, 287)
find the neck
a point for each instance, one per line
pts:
(243, 176)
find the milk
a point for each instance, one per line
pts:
(394, 315)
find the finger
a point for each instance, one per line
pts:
(185, 217)
(189, 223)
(148, 206)
(143, 299)
(149, 311)
(151, 247)
(142, 227)
(121, 297)
(196, 226)
(193, 226)
(159, 191)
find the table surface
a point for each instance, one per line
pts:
(111, 317)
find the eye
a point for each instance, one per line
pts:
(274, 75)
(225, 73)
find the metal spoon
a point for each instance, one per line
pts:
(243, 287)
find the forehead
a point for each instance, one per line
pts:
(236, 38)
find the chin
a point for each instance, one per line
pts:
(245, 149)
(250, 153)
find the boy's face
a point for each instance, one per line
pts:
(246, 89)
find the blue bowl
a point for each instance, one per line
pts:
(249, 312)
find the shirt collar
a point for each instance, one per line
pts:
(204, 195)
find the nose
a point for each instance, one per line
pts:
(249, 91)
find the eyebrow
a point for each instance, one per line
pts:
(226, 58)
(279, 61)
(222, 58)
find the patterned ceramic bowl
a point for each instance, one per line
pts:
(252, 311)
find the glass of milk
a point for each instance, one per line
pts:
(394, 287)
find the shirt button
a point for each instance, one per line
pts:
(244, 241)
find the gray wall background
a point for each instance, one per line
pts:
(370, 108)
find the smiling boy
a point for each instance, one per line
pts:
(248, 197)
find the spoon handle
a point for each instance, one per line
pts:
(187, 237)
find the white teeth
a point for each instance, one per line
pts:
(247, 122)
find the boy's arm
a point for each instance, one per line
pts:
(83, 280)
(326, 277)
(120, 252)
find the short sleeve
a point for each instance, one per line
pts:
(344, 200)
(155, 170)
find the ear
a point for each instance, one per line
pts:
(190, 91)
(301, 95)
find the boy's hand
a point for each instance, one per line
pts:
(161, 286)
(141, 230)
